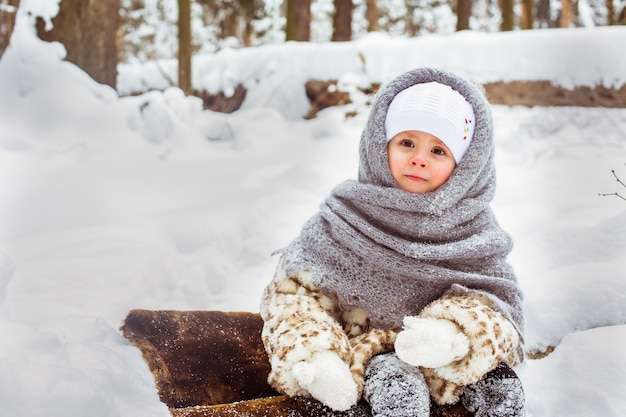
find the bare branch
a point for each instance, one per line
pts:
(615, 194)
(617, 178)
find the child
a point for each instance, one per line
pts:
(398, 289)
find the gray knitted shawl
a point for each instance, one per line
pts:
(391, 252)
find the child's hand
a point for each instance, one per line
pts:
(328, 379)
(430, 342)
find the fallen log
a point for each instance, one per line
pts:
(213, 364)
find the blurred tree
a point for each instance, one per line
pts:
(508, 14)
(464, 12)
(184, 46)
(412, 27)
(543, 14)
(298, 20)
(149, 30)
(149, 27)
(610, 12)
(248, 13)
(88, 29)
(527, 14)
(372, 15)
(342, 20)
(426, 16)
(566, 14)
(236, 18)
(8, 9)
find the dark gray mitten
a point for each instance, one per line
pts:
(395, 389)
(498, 394)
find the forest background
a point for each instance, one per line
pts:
(99, 35)
(112, 202)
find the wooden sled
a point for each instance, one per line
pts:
(213, 364)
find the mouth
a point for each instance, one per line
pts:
(415, 178)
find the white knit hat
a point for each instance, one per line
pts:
(436, 109)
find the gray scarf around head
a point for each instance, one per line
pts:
(391, 252)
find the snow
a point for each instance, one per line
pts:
(567, 57)
(110, 204)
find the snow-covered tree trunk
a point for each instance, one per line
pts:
(8, 9)
(88, 29)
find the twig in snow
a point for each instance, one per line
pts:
(615, 194)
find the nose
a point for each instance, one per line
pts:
(418, 159)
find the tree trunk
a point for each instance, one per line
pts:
(464, 12)
(527, 14)
(621, 19)
(7, 22)
(508, 15)
(342, 21)
(298, 20)
(88, 29)
(372, 16)
(543, 14)
(566, 13)
(247, 12)
(184, 46)
(610, 13)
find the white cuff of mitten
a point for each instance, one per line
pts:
(430, 342)
(328, 379)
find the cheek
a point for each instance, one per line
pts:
(444, 172)
(394, 164)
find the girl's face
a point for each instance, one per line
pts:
(419, 161)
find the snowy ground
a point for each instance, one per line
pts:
(110, 204)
